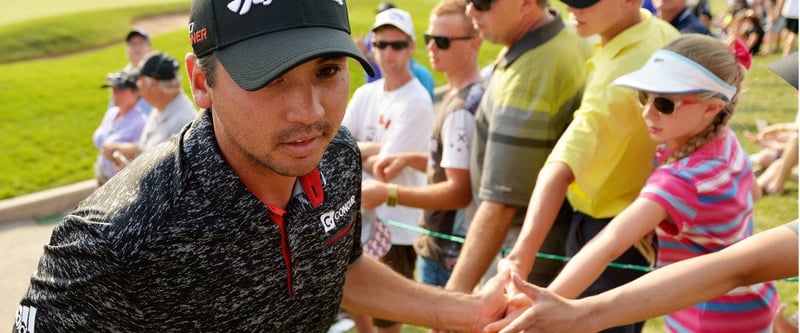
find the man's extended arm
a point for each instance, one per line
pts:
(453, 193)
(374, 289)
(547, 197)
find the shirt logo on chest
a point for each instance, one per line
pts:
(330, 218)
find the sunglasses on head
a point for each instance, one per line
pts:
(481, 5)
(443, 42)
(397, 45)
(663, 104)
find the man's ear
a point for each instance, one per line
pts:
(197, 82)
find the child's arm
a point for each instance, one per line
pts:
(775, 129)
(640, 218)
(689, 282)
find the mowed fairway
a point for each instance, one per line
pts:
(16, 11)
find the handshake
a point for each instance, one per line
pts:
(513, 305)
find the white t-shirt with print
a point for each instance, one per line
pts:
(402, 121)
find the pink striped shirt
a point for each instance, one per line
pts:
(708, 198)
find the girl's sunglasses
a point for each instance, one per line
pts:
(481, 5)
(443, 42)
(663, 104)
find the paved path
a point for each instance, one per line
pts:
(21, 245)
(155, 25)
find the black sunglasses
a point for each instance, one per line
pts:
(443, 42)
(397, 46)
(481, 5)
(662, 104)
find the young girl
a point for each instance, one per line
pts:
(700, 197)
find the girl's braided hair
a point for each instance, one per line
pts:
(715, 56)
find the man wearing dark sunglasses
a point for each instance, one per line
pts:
(536, 85)
(393, 114)
(422, 73)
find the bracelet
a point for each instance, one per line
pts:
(391, 197)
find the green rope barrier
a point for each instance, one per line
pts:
(458, 239)
(504, 250)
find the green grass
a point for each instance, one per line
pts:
(51, 106)
(50, 36)
(17, 11)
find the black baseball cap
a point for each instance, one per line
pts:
(786, 67)
(120, 80)
(257, 42)
(137, 32)
(580, 3)
(159, 66)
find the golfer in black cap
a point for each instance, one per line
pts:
(248, 220)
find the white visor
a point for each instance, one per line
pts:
(669, 73)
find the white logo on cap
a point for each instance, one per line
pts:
(340, 2)
(242, 7)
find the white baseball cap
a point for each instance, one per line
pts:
(397, 18)
(670, 73)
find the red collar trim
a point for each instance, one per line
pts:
(312, 185)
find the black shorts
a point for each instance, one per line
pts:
(582, 230)
(401, 258)
(791, 25)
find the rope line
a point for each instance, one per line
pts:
(458, 239)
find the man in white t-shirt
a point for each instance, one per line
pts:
(393, 114)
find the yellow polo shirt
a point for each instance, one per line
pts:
(607, 145)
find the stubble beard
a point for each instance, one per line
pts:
(290, 168)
